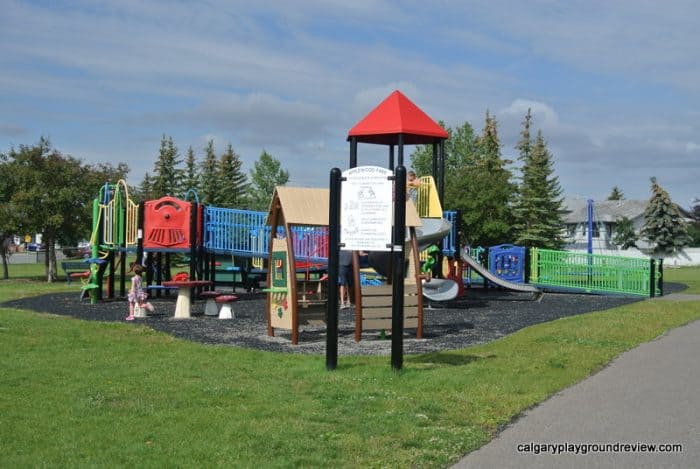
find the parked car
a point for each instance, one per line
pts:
(36, 247)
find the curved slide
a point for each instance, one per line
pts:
(431, 231)
(484, 272)
(438, 289)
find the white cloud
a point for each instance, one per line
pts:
(543, 115)
(293, 78)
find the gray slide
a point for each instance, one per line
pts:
(484, 272)
(438, 289)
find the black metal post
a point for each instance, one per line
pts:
(122, 256)
(193, 240)
(122, 273)
(400, 160)
(652, 277)
(139, 234)
(159, 272)
(149, 268)
(399, 238)
(353, 152)
(333, 245)
(100, 268)
(435, 166)
(112, 272)
(391, 157)
(441, 175)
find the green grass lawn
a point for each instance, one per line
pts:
(79, 393)
(689, 276)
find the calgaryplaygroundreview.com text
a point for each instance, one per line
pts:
(589, 448)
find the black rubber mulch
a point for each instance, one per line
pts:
(481, 316)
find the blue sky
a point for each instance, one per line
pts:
(614, 86)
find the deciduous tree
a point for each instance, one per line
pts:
(53, 193)
(8, 221)
(265, 176)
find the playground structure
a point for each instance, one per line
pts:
(157, 229)
(166, 227)
(289, 246)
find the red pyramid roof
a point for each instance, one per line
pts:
(397, 115)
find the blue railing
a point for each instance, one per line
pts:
(244, 233)
(449, 242)
(234, 231)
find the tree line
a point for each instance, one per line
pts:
(498, 206)
(44, 191)
(218, 180)
(525, 206)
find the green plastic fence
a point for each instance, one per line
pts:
(596, 273)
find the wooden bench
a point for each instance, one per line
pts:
(75, 269)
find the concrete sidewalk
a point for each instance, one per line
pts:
(649, 395)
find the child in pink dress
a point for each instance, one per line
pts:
(137, 295)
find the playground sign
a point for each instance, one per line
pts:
(366, 213)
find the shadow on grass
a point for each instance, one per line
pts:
(446, 359)
(673, 287)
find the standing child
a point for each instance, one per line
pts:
(412, 186)
(344, 277)
(137, 295)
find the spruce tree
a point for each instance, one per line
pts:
(538, 219)
(190, 176)
(265, 176)
(624, 237)
(233, 185)
(616, 194)
(694, 228)
(487, 191)
(166, 175)
(145, 189)
(209, 183)
(664, 227)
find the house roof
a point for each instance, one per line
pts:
(397, 115)
(576, 210)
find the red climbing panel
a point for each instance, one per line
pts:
(167, 224)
